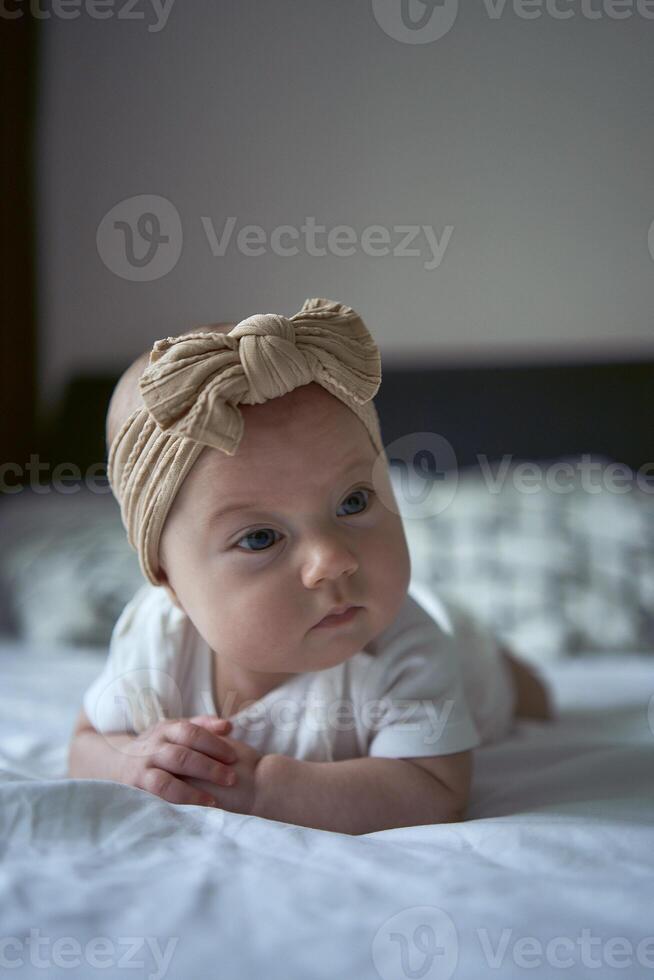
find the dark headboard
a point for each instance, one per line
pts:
(531, 412)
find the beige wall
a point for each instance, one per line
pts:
(529, 138)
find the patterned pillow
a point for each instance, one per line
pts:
(66, 567)
(553, 572)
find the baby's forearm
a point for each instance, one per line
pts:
(95, 756)
(355, 796)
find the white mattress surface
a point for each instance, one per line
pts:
(551, 875)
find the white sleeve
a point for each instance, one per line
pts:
(137, 685)
(415, 678)
(487, 677)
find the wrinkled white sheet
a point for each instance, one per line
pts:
(551, 875)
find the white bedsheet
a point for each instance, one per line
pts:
(551, 875)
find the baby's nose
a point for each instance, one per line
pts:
(328, 556)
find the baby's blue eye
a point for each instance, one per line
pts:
(353, 496)
(262, 536)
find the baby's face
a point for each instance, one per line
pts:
(259, 546)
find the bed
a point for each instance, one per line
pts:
(552, 872)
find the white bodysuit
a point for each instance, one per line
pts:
(435, 683)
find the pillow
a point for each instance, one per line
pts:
(552, 573)
(556, 568)
(66, 567)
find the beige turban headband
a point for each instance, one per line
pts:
(194, 383)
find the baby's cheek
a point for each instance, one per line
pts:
(391, 565)
(246, 633)
(392, 553)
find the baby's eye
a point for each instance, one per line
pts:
(260, 537)
(353, 497)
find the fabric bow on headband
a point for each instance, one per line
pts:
(194, 383)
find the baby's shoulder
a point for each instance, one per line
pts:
(422, 612)
(150, 604)
(417, 647)
(150, 629)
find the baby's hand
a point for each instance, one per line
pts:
(240, 797)
(179, 747)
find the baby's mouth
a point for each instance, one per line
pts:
(346, 615)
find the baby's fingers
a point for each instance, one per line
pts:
(182, 761)
(213, 723)
(201, 739)
(167, 787)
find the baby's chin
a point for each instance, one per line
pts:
(332, 644)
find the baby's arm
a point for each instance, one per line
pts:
(361, 796)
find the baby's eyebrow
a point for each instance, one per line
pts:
(261, 505)
(217, 514)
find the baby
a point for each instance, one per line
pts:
(276, 663)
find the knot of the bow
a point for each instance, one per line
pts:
(271, 360)
(195, 381)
